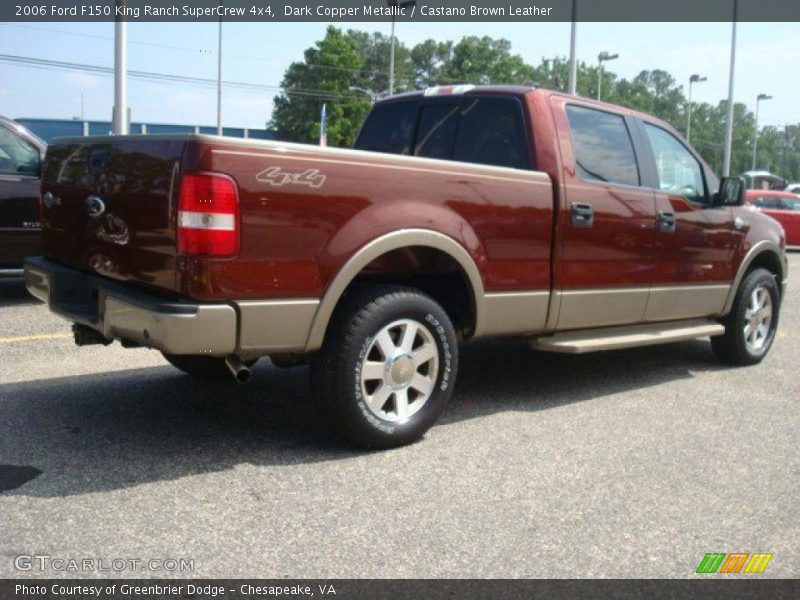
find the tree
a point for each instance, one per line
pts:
(328, 72)
(343, 62)
(486, 60)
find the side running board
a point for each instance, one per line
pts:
(628, 336)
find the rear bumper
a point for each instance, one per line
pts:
(118, 312)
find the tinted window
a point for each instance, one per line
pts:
(678, 171)
(603, 147)
(16, 155)
(437, 130)
(389, 128)
(491, 132)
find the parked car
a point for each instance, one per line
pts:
(763, 180)
(21, 155)
(462, 213)
(793, 188)
(784, 207)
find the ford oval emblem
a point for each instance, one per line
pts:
(95, 206)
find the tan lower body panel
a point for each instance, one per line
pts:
(211, 330)
(580, 309)
(514, 313)
(274, 325)
(600, 308)
(629, 336)
(685, 302)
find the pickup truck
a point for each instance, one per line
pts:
(462, 212)
(21, 155)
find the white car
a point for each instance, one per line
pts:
(793, 188)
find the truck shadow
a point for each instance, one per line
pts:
(125, 428)
(13, 293)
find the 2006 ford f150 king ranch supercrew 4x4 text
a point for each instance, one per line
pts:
(463, 212)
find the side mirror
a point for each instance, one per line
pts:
(731, 191)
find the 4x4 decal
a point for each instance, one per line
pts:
(277, 177)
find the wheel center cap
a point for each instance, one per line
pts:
(400, 371)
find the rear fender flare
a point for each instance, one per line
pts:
(395, 240)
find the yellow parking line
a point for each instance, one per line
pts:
(38, 336)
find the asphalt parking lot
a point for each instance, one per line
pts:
(626, 464)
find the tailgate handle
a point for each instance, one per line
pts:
(582, 215)
(666, 221)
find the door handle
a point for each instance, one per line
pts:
(666, 221)
(582, 215)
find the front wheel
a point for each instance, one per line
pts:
(750, 327)
(387, 367)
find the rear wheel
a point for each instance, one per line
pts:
(202, 367)
(750, 327)
(387, 367)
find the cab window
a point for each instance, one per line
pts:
(679, 172)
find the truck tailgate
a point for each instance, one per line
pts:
(108, 206)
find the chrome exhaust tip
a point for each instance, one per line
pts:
(239, 370)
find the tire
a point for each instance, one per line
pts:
(750, 327)
(387, 367)
(202, 367)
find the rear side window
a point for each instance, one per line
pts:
(491, 132)
(389, 128)
(602, 146)
(437, 130)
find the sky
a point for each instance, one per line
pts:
(768, 61)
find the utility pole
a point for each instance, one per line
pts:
(219, 76)
(573, 65)
(395, 5)
(726, 161)
(120, 111)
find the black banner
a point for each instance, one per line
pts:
(341, 11)
(403, 589)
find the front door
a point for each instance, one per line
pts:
(606, 221)
(694, 239)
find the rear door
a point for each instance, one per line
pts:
(694, 239)
(20, 162)
(606, 221)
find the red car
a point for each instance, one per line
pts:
(784, 207)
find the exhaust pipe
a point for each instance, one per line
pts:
(239, 370)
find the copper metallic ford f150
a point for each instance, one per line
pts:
(462, 213)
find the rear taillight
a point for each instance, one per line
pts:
(208, 215)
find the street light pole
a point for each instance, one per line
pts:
(601, 58)
(120, 112)
(726, 160)
(759, 98)
(693, 79)
(573, 65)
(391, 61)
(219, 77)
(395, 5)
